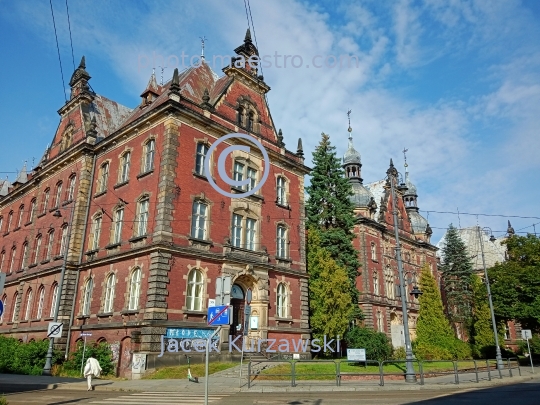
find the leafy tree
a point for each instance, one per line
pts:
(330, 210)
(457, 271)
(329, 300)
(435, 338)
(515, 284)
(377, 344)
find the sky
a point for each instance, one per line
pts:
(456, 82)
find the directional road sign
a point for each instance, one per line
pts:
(218, 315)
(526, 334)
(55, 329)
(86, 334)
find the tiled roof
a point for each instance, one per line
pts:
(109, 115)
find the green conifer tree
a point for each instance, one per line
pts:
(330, 210)
(457, 271)
(434, 335)
(330, 303)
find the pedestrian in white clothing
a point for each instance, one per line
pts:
(92, 369)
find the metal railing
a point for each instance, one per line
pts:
(480, 366)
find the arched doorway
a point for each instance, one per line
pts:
(124, 360)
(237, 302)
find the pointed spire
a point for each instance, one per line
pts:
(83, 63)
(151, 87)
(510, 230)
(391, 163)
(22, 177)
(80, 73)
(203, 39)
(300, 149)
(174, 88)
(280, 142)
(248, 36)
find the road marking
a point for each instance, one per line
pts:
(160, 398)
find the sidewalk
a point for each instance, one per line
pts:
(228, 384)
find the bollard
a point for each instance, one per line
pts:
(382, 373)
(509, 367)
(293, 370)
(476, 371)
(456, 377)
(421, 373)
(338, 373)
(489, 372)
(249, 374)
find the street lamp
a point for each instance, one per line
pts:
(410, 375)
(48, 359)
(498, 356)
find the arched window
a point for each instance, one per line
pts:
(37, 248)
(95, 232)
(195, 290)
(202, 150)
(380, 324)
(148, 158)
(28, 310)
(87, 298)
(389, 282)
(199, 220)
(282, 301)
(281, 191)
(32, 213)
(70, 192)
(103, 177)
(63, 240)
(58, 194)
(134, 289)
(24, 255)
(4, 302)
(14, 307)
(41, 302)
(21, 213)
(125, 161)
(12, 259)
(281, 250)
(109, 294)
(117, 226)
(10, 220)
(142, 216)
(45, 200)
(50, 244)
(244, 232)
(54, 297)
(373, 251)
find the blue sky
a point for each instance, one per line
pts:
(456, 82)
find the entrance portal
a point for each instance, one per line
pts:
(237, 302)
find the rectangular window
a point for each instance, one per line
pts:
(45, 201)
(202, 149)
(58, 195)
(238, 173)
(96, 232)
(281, 242)
(142, 222)
(237, 230)
(149, 156)
(198, 220)
(250, 233)
(252, 176)
(71, 189)
(124, 167)
(103, 178)
(281, 191)
(118, 221)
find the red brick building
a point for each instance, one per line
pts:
(375, 241)
(125, 191)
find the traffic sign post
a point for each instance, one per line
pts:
(84, 334)
(527, 334)
(223, 290)
(218, 315)
(207, 351)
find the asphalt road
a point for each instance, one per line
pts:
(527, 393)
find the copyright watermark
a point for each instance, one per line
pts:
(222, 171)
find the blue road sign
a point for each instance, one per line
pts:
(218, 315)
(1, 308)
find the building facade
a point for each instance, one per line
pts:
(375, 240)
(123, 195)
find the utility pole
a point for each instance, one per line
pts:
(410, 375)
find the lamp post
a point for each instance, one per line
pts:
(410, 375)
(498, 355)
(48, 359)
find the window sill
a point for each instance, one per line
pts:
(283, 259)
(59, 257)
(35, 320)
(50, 318)
(287, 207)
(41, 215)
(129, 312)
(193, 312)
(140, 176)
(200, 241)
(67, 202)
(53, 209)
(138, 238)
(45, 261)
(16, 229)
(241, 191)
(19, 271)
(121, 184)
(104, 314)
(32, 265)
(113, 246)
(25, 321)
(100, 193)
(83, 316)
(283, 319)
(91, 252)
(6, 234)
(28, 223)
(10, 323)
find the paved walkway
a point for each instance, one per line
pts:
(224, 383)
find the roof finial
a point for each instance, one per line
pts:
(162, 69)
(405, 157)
(350, 129)
(203, 39)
